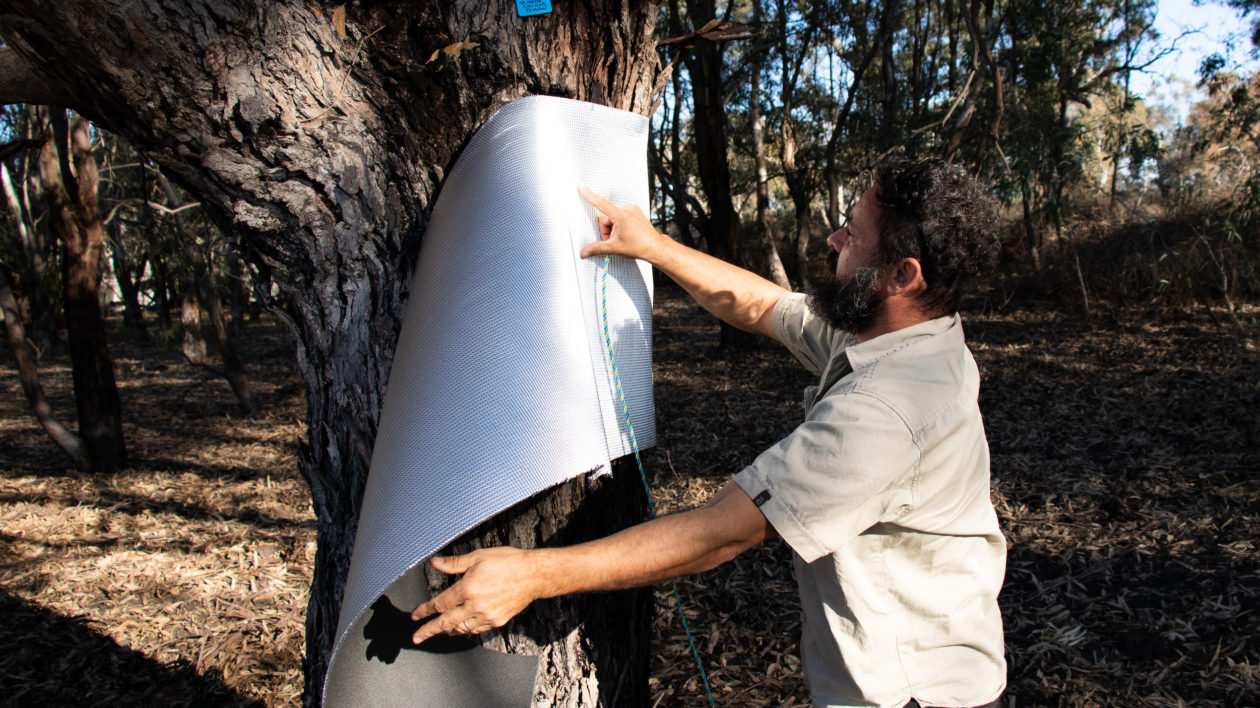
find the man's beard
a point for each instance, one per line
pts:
(851, 303)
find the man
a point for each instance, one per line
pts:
(882, 493)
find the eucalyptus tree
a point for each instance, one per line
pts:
(321, 134)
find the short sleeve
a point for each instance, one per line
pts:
(846, 468)
(810, 339)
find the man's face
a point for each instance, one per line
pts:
(850, 296)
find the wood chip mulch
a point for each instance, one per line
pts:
(1124, 474)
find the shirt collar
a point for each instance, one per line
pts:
(874, 349)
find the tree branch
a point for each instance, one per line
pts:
(20, 83)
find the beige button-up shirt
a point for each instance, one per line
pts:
(883, 494)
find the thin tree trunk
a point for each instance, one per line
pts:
(774, 266)
(127, 275)
(72, 204)
(192, 338)
(202, 284)
(161, 299)
(796, 177)
(705, 66)
(832, 167)
(1030, 233)
(34, 275)
(682, 215)
(28, 374)
(236, 290)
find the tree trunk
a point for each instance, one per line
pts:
(797, 178)
(192, 338)
(28, 374)
(705, 66)
(236, 290)
(71, 199)
(201, 274)
(330, 179)
(127, 275)
(33, 278)
(774, 265)
(161, 298)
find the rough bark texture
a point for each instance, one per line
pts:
(325, 153)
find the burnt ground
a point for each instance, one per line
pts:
(1124, 475)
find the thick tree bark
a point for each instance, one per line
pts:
(71, 196)
(325, 152)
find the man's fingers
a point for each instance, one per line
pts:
(446, 601)
(595, 248)
(453, 565)
(596, 201)
(448, 623)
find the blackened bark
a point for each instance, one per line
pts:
(72, 205)
(325, 153)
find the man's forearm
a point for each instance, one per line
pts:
(499, 582)
(664, 548)
(734, 295)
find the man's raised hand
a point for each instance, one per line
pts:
(623, 230)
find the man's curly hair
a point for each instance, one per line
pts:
(942, 216)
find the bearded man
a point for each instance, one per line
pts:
(882, 492)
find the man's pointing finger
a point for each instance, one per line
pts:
(596, 201)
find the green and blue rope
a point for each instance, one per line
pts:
(634, 444)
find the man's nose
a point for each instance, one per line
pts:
(836, 239)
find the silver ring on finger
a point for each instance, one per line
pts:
(464, 624)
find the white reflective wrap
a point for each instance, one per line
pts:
(501, 385)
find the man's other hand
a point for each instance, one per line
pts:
(498, 583)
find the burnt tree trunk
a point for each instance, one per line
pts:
(71, 195)
(325, 152)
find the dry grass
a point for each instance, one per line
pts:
(1124, 475)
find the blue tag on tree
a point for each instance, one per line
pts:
(525, 8)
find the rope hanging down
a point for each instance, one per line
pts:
(634, 444)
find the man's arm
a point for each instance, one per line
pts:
(499, 582)
(737, 296)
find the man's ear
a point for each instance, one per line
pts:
(905, 278)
